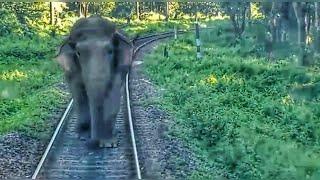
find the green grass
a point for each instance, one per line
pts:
(28, 95)
(244, 117)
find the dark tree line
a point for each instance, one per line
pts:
(284, 22)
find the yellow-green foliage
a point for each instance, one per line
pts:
(256, 11)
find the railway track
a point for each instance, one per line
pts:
(66, 157)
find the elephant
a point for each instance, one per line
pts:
(95, 58)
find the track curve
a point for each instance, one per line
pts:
(66, 157)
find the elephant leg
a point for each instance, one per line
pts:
(106, 131)
(101, 134)
(111, 109)
(109, 138)
(83, 110)
(103, 115)
(81, 102)
(104, 106)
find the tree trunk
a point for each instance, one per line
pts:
(284, 24)
(308, 19)
(317, 26)
(299, 10)
(80, 10)
(249, 14)
(138, 10)
(238, 20)
(300, 15)
(235, 25)
(167, 11)
(86, 9)
(51, 13)
(243, 23)
(275, 22)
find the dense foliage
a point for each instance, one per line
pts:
(28, 88)
(245, 117)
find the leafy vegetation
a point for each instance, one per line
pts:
(28, 85)
(246, 117)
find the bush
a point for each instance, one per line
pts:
(243, 116)
(27, 48)
(27, 78)
(9, 23)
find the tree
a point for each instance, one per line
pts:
(237, 13)
(123, 10)
(51, 13)
(83, 9)
(138, 10)
(300, 12)
(167, 11)
(317, 26)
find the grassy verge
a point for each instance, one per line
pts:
(245, 117)
(28, 95)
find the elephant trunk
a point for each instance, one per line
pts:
(98, 79)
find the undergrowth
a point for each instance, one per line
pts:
(28, 91)
(245, 117)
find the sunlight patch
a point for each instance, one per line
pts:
(13, 75)
(211, 80)
(287, 100)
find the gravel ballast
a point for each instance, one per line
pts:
(20, 153)
(161, 156)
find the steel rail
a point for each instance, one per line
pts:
(160, 34)
(129, 108)
(53, 138)
(152, 40)
(170, 32)
(69, 107)
(133, 140)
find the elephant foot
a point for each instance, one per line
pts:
(108, 143)
(92, 144)
(102, 143)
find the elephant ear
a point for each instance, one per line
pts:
(123, 52)
(66, 57)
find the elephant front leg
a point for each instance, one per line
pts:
(111, 109)
(109, 139)
(83, 111)
(80, 102)
(101, 129)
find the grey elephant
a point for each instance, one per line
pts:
(95, 58)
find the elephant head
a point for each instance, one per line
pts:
(95, 58)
